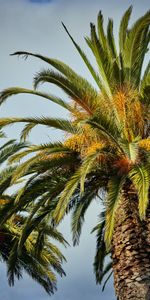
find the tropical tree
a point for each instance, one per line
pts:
(40, 258)
(105, 153)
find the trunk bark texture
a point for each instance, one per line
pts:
(131, 252)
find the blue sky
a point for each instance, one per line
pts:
(40, 1)
(35, 25)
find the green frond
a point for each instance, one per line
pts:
(61, 124)
(42, 274)
(10, 142)
(55, 234)
(14, 269)
(101, 33)
(78, 88)
(27, 227)
(57, 64)
(131, 150)
(72, 83)
(112, 202)
(85, 59)
(22, 169)
(145, 85)
(65, 196)
(26, 131)
(10, 149)
(101, 252)
(102, 61)
(51, 183)
(111, 40)
(135, 48)
(5, 94)
(139, 54)
(123, 29)
(78, 214)
(107, 129)
(38, 265)
(5, 178)
(140, 177)
(88, 165)
(49, 148)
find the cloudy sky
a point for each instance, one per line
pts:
(35, 25)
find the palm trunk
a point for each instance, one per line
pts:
(131, 252)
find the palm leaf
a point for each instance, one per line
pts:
(112, 202)
(123, 28)
(5, 94)
(140, 177)
(85, 59)
(101, 252)
(78, 214)
(61, 124)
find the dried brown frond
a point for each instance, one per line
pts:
(123, 165)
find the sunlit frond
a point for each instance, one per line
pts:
(140, 177)
(112, 203)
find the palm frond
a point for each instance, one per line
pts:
(10, 149)
(5, 94)
(61, 124)
(65, 196)
(49, 148)
(123, 29)
(78, 214)
(140, 177)
(101, 252)
(111, 40)
(78, 88)
(102, 60)
(135, 48)
(112, 202)
(85, 59)
(145, 85)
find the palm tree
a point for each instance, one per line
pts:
(108, 141)
(40, 258)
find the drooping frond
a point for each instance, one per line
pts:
(106, 129)
(49, 148)
(101, 252)
(65, 196)
(89, 163)
(79, 211)
(112, 203)
(17, 90)
(5, 178)
(40, 266)
(140, 177)
(9, 149)
(61, 124)
(77, 88)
